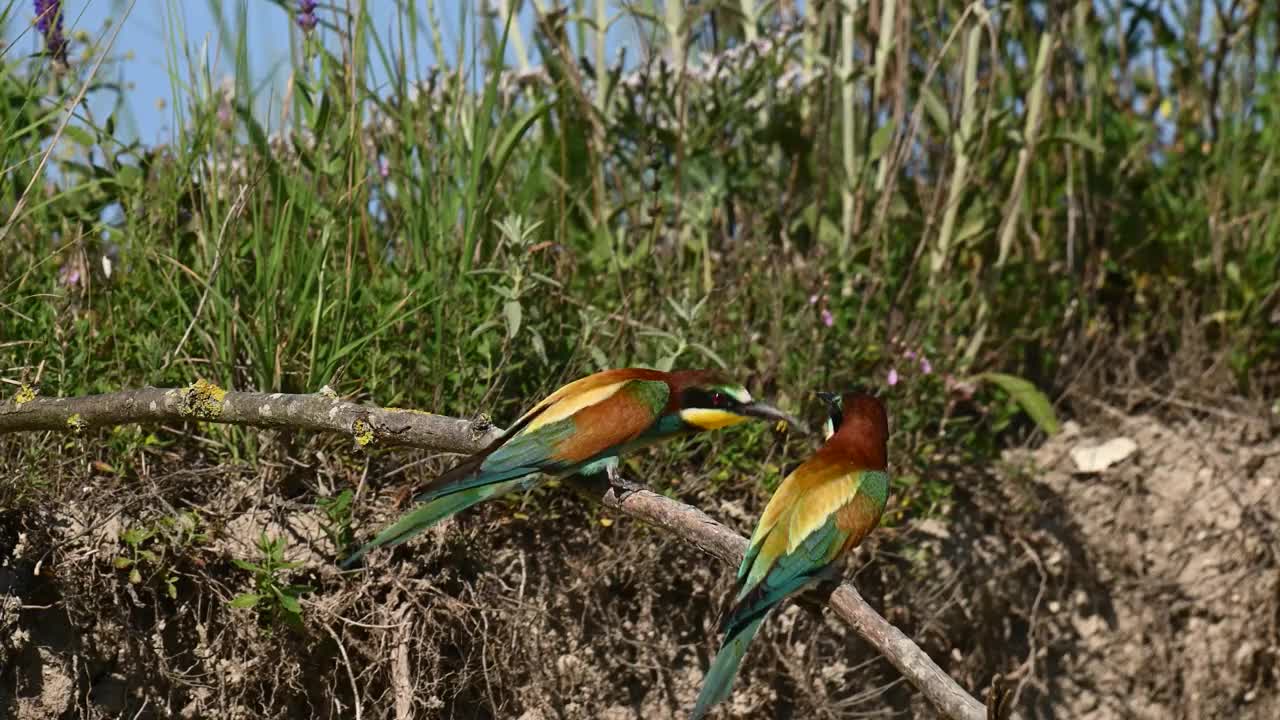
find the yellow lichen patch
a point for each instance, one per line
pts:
(76, 423)
(26, 394)
(202, 399)
(328, 392)
(362, 431)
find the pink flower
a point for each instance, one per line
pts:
(910, 354)
(893, 377)
(926, 367)
(71, 272)
(827, 318)
(813, 299)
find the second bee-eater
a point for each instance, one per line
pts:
(823, 508)
(582, 428)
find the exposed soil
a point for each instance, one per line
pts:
(1182, 537)
(1150, 589)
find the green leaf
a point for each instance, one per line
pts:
(133, 537)
(129, 176)
(1233, 272)
(289, 603)
(245, 600)
(975, 223)
(709, 354)
(1031, 400)
(513, 313)
(1081, 139)
(135, 577)
(937, 111)
(122, 562)
(245, 565)
(482, 328)
(539, 347)
(601, 361)
(322, 118)
(79, 135)
(880, 140)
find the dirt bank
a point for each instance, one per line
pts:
(1148, 589)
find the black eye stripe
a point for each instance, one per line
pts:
(701, 398)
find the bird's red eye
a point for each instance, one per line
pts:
(718, 399)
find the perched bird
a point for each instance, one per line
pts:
(824, 507)
(582, 428)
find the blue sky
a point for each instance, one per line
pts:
(153, 29)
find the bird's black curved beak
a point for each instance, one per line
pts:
(769, 412)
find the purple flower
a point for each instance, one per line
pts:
(813, 299)
(307, 15)
(70, 274)
(926, 367)
(827, 318)
(910, 354)
(224, 114)
(893, 377)
(49, 23)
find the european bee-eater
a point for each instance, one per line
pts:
(823, 508)
(582, 428)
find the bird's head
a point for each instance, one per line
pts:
(834, 415)
(863, 419)
(709, 401)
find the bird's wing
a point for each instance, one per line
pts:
(850, 500)
(612, 378)
(813, 473)
(575, 389)
(778, 573)
(828, 514)
(562, 435)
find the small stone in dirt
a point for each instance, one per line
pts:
(934, 527)
(1096, 458)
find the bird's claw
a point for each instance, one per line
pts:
(619, 483)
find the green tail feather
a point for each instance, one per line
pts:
(724, 668)
(419, 519)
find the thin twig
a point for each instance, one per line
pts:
(351, 675)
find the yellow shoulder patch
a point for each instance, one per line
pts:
(570, 403)
(815, 507)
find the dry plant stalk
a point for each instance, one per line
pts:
(391, 426)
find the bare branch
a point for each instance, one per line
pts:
(366, 424)
(389, 426)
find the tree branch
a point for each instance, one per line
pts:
(390, 426)
(366, 424)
